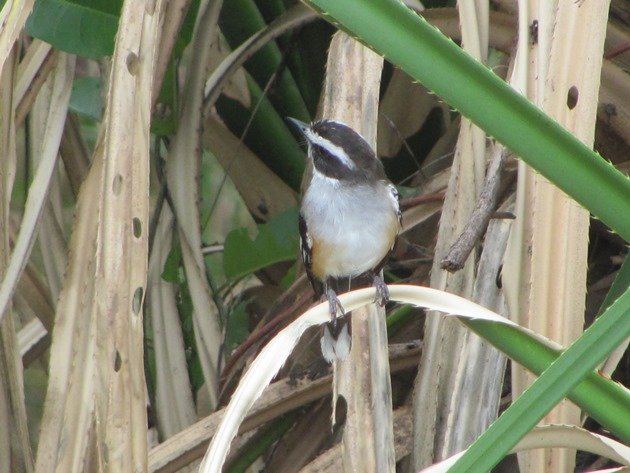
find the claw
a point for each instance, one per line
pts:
(382, 292)
(335, 308)
(336, 336)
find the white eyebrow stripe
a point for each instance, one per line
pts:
(337, 151)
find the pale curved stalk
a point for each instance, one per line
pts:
(275, 353)
(182, 171)
(554, 436)
(174, 405)
(12, 19)
(38, 190)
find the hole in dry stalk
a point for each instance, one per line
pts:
(572, 97)
(117, 184)
(132, 63)
(117, 362)
(137, 227)
(136, 304)
(341, 411)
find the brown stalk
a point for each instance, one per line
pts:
(479, 218)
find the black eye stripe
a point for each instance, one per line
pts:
(328, 163)
(326, 154)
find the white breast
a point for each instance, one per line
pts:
(358, 223)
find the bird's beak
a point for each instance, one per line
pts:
(298, 125)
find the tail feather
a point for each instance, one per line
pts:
(336, 341)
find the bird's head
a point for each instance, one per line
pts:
(338, 152)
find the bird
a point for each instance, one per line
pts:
(349, 221)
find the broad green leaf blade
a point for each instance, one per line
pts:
(408, 41)
(268, 134)
(619, 286)
(241, 20)
(237, 327)
(603, 399)
(608, 331)
(86, 97)
(85, 28)
(276, 241)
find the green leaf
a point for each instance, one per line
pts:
(606, 333)
(237, 327)
(603, 399)
(86, 97)
(277, 240)
(619, 286)
(172, 265)
(86, 28)
(165, 123)
(186, 30)
(268, 134)
(243, 19)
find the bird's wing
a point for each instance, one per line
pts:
(395, 196)
(306, 251)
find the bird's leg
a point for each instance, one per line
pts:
(382, 292)
(335, 307)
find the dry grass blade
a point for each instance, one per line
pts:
(33, 339)
(12, 18)
(174, 407)
(69, 407)
(174, 14)
(96, 393)
(182, 170)
(74, 153)
(38, 190)
(442, 364)
(15, 451)
(551, 256)
(480, 379)
(37, 64)
(121, 249)
(562, 436)
(51, 237)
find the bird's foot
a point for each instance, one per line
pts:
(335, 308)
(382, 292)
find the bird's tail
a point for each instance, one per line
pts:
(336, 339)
